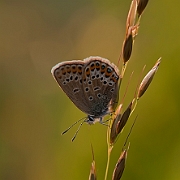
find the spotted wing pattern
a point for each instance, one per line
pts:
(90, 84)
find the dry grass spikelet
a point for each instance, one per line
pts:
(141, 6)
(124, 118)
(117, 116)
(148, 79)
(92, 175)
(120, 165)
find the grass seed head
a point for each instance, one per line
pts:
(92, 175)
(120, 165)
(127, 47)
(131, 15)
(123, 120)
(148, 79)
(116, 118)
(141, 6)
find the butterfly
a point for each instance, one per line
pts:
(91, 84)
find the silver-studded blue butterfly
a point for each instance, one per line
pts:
(92, 85)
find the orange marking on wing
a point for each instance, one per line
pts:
(63, 70)
(102, 69)
(114, 79)
(108, 73)
(79, 69)
(68, 69)
(88, 72)
(74, 69)
(92, 68)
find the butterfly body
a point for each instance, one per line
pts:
(91, 84)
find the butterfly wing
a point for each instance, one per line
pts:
(68, 75)
(100, 85)
(90, 84)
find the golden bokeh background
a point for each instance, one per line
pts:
(36, 35)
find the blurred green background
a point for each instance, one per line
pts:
(36, 35)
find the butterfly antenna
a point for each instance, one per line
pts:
(77, 131)
(71, 126)
(130, 132)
